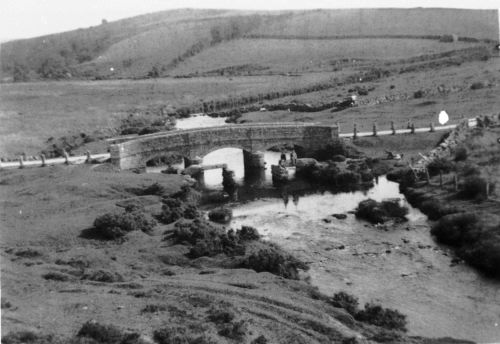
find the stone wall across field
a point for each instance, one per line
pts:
(200, 142)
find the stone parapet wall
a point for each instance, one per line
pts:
(199, 142)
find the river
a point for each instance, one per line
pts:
(399, 267)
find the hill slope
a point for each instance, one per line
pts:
(155, 44)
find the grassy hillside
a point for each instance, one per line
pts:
(482, 24)
(299, 55)
(153, 45)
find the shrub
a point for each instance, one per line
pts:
(235, 331)
(434, 209)
(191, 212)
(188, 195)
(155, 189)
(175, 335)
(170, 214)
(343, 300)
(274, 261)
(460, 153)
(247, 233)
(456, 229)
(384, 317)
(440, 164)
(477, 85)
(206, 239)
(485, 252)
(56, 276)
(101, 333)
(338, 158)
(154, 309)
(418, 94)
(220, 316)
(221, 215)
(150, 130)
(473, 187)
(113, 226)
(103, 276)
(27, 337)
(379, 212)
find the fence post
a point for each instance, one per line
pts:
(374, 128)
(413, 128)
(21, 162)
(432, 127)
(42, 157)
(392, 128)
(355, 131)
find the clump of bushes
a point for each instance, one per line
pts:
(207, 240)
(438, 165)
(183, 206)
(379, 212)
(27, 337)
(457, 229)
(247, 233)
(477, 85)
(435, 209)
(114, 226)
(101, 333)
(275, 261)
(372, 313)
(56, 276)
(384, 317)
(485, 251)
(103, 276)
(344, 300)
(221, 215)
(236, 330)
(169, 335)
(460, 153)
(474, 187)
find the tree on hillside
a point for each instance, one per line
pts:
(20, 73)
(53, 67)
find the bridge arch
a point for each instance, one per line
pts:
(251, 138)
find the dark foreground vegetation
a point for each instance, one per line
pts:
(462, 198)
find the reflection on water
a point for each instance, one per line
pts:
(233, 157)
(280, 216)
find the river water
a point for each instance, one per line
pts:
(399, 267)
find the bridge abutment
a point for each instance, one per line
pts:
(253, 161)
(192, 161)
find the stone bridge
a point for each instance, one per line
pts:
(194, 144)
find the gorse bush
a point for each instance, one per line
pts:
(105, 334)
(343, 300)
(114, 226)
(442, 165)
(460, 153)
(275, 261)
(435, 209)
(220, 215)
(473, 187)
(379, 212)
(384, 317)
(27, 337)
(457, 229)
